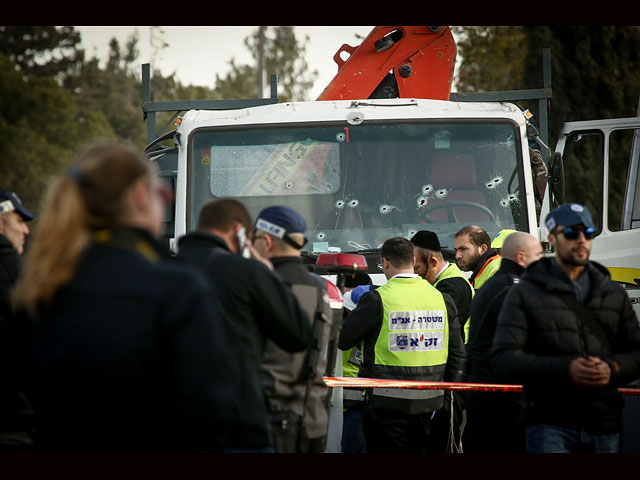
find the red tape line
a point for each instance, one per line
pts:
(357, 382)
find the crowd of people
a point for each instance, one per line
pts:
(112, 343)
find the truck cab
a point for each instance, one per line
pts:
(362, 171)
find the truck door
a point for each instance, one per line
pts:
(611, 148)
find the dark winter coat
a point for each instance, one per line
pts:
(257, 305)
(282, 371)
(16, 413)
(485, 308)
(129, 355)
(538, 335)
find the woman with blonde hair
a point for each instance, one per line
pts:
(125, 340)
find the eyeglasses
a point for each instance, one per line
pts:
(257, 237)
(571, 233)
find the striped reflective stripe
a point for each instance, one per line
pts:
(356, 395)
(408, 394)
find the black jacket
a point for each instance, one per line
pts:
(257, 305)
(491, 252)
(363, 324)
(485, 308)
(461, 293)
(129, 355)
(16, 413)
(9, 265)
(538, 335)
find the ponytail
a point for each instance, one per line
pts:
(59, 240)
(91, 194)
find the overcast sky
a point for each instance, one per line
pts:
(196, 54)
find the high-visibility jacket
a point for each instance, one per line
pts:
(412, 344)
(453, 271)
(351, 360)
(490, 267)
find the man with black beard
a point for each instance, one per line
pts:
(569, 334)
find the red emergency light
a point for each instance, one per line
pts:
(341, 262)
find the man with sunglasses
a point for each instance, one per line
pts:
(569, 334)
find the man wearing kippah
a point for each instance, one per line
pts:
(570, 336)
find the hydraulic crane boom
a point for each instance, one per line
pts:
(396, 62)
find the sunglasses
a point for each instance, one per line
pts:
(571, 233)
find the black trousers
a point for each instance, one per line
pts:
(391, 431)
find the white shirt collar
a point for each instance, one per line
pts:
(405, 275)
(446, 265)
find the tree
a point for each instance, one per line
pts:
(42, 51)
(492, 58)
(282, 55)
(109, 98)
(38, 131)
(595, 74)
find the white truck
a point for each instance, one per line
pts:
(362, 170)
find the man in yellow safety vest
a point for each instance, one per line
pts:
(408, 331)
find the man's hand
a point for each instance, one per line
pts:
(255, 255)
(589, 372)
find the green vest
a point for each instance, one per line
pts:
(413, 344)
(454, 271)
(487, 271)
(351, 360)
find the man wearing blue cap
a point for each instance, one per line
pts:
(15, 413)
(569, 334)
(293, 383)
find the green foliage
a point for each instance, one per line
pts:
(37, 131)
(54, 101)
(41, 51)
(278, 50)
(492, 58)
(595, 74)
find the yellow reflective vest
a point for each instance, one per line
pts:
(413, 344)
(453, 271)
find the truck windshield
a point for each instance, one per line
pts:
(359, 185)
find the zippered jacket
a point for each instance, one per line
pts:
(538, 335)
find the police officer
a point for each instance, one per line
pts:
(296, 393)
(409, 331)
(16, 413)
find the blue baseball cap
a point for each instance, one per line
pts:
(10, 202)
(567, 215)
(280, 221)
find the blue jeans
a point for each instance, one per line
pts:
(352, 434)
(552, 439)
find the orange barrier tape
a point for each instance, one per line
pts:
(356, 382)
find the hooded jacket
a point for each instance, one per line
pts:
(538, 335)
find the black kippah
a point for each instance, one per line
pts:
(427, 240)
